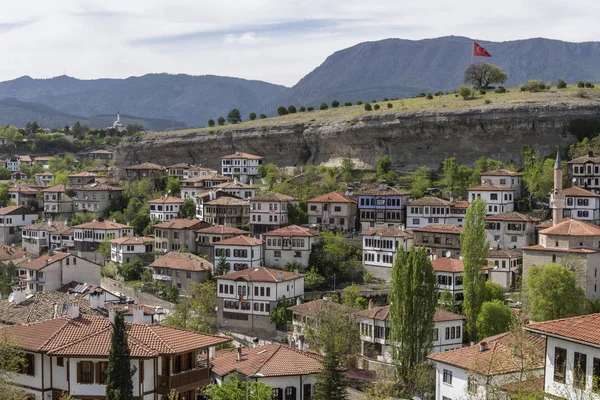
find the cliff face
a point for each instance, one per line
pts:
(411, 139)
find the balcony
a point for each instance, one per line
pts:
(158, 277)
(196, 376)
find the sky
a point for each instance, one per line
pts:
(275, 41)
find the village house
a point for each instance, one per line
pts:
(511, 230)
(499, 199)
(180, 270)
(70, 354)
(203, 198)
(136, 313)
(197, 170)
(165, 208)
(291, 244)
(382, 206)
(44, 161)
(375, 328)
(244, 166)
(441, 240)
(57, 205)
(333, 211)
(240, 252)
(95, 197)
(487, 367)
(44, 178)
(269, 212)
(11, 254)
(291, 373)
(26, 160)
(13, 163)
(176, 170)
(309, 315)
(433, 210)
(18, 176)
(503, 177)
(102, 155)
(200, 184)
(238, 189)
(144, 171)
(24, 195)
(581, 204)
(12, 220)
(379, 249)
(40, 237)
(504, 267)
(125, 249)
(82, 178)
(98, 297)
(449, 276)
(177, 234)
(584, 172)
(88, 236)
(207, 237)
(227, 211)
(53, 270)
(245, 299)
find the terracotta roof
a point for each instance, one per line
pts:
(585, 328)
(446, 264)
(228, 201)
(43, 158)
(390, 191)
(240, 241)
(390, 231)
(45, 260)
(132, 240)
(84, 174)
(25, 158)
(430, 201)
(501, 172)
(104, 224)
(489, 188)
(268, 360)
(207, 177)
(127, 309)
(9, 253)
(24, 188)
(55, 188)
(576, 191)
(383, 313)
(183, 261)
(333, 197)
(292, 230)
(223, 230)
(539, 247)
(44, 174)
(321, 307)
(233, 185)
(500, 357)
(49, 226)
(573, 227)
(182, 223)
(440, 228)
(443, 315)
(261, 274)
(168, 200)
(544, 225)
(243, 155)
(512, 216)
(16, 210)
(503, 253)
(273, 197)
(584, 159)
(147, 166)
(200, 168)
(180, 165)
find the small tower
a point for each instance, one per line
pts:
(557, 198)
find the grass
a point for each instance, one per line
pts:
(570, 95)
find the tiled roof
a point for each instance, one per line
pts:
(383, 313)
(333, 197)
(97, 186)
(222, 230)
(183, 261)
(50, 226)
(182, 223)
(16, 210)
(503, 253)
(440, 228)
(261, 274)
(576, 191)
(390, 191)
(25, 158)
(581, 250)
(47, 173)
(240, 241)
(84, 174)
(573, 227)
(430, 201)
(127, 309)
(167, 200)
(446, 264)
(9, 253)
(243, 155)
(273, 197)
(24, 188)
(292, 230)
(490, 188)
(233, 185)
(512, 216)
(320, 307)
(44, 261)
(500, 357)
(43, 158)
(104, 224)
(501, 172)
(584, 159)
(585, 328)
(269, 360)
(55, 189)
(390, 231)
(132, 240)
(147, 166)
(228, 201)
(207, 177)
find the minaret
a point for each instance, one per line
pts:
(118, 116)
(557, 198)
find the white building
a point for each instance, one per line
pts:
(382, 206)
(238, 189)
(207, 237)
(269, 212)
(504, 267)
(181, 270)
(379, 249)
(449, 275)
(13, 163)
(334, 211)
(511, 230)
(581, 204)
(241, 165)
(88, 236)
(504, 177)
(291, 244)
(499, 199)
(195, 171)
(165, 208)
(39, 238)
(240, 252)
(585, 172)
(433, 210)
(44, 177)
(125, 249)
(192, 187)
(12, 220)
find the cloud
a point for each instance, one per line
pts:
(8, 26)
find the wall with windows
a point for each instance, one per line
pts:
(240, 257)
(511, 182)
(85, 381)
(583, 208)
(510, 234)
(290, 387)
(498, 202)
(335, 215)
(280, 251)
(417, 216)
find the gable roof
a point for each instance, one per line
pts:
(240, 241)
(207, 177)
(261, 274)
(183, 261)
(585, 328)
(133, 240)
(228, 201)
(49, 226)
(501, 172)
(572, 227)
(234, 185)
(104, 224)
(292, 230)
(182, 223)
(46, 260)
(584, 159)
(9, 253)
(446, 264)
(168, 200)
(16, 210)
(430, 201)
(576, 191)
(383, 313)
(390, 191)
(390, 231)
(440, 228)
(147, 165)
(222, 230)
(333, 197)
(489, 187)
(243, 155)
(503, 253)
(55, 189)
(273, 197)
(512, 216)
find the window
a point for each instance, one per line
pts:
(290, 393)
(596, 375)
(85, 372)
(277, 394)
(579, 369)
(448, 377)
(60, 362)
(493, 196)
(435, 334)
(28, 365)
(560, 364)
(307, 395)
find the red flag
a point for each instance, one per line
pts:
(479, 51)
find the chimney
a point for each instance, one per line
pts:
(138, 314)
(483, 346)
(73, 309)
(239, 353)
(370, 304)
(18, 294)
(349, 191)
(301, 344)
(50, 254)
(111, 315)
(211, 352)
(298, 301)
(96, 299)
(383, 185)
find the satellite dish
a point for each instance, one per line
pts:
(11, 297)
(574, 180)
(448, 254)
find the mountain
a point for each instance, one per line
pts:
(191, 100)
(401, 68)
(18, 113)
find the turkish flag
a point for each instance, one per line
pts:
(479, 51)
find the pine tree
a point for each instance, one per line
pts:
(119, 383)
(413, 298)
(331, 381)
(474, 248)
(222, 267)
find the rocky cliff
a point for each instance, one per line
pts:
(411, 138)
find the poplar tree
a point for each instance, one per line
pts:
(413, 298)
(119, 382)
(474, 248)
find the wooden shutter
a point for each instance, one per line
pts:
(141, 370)
(91, 372)
(98, 372)
(79, 372)
(31, 364)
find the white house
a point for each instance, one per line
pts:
(242, 165)
(44, 177)
(504, 177)
(23, 194)
(504, 267)
(39, 238)
(511, 230)
(88, 236)
(433, 210)
(449, 275)
(380, 246)
(13, 163)
(581, 204)
(333, 210)
(166, 208)
(195, 171)
(499, 199)
(180, 270)
(291, 244)
(200, 184)
(585, 172)
(207, 237)
(12, 220)
(240, 252)
(382, 206)
(269, 212)
(290, 372)
(127, 248)
(245, 298)
(238, 189)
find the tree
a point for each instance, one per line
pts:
(384, 165)
(302, 109)
(281, 110)
(351, 297)
(119, 383)
(4, 197)
(104, 249)
(298, 214)
(291, 109)
(474, 249)
(553, 293)
(493, 291)
(335, 104)
(481, 75)
(188, 209)
(221, 121)
(131, 270)
(323, 106)
(494, 318)
(234, 116)
(81, 218)
(561, 84)
(263, 116)
(280, 315)
(312, 280)
(173, 186)
(252, 116)
(413, 299)
(420, 181)
(233, 389)
(447, 301)
(196, 312)
(11, 361)
(347, 169)
(172, 293)
(222, 268)
(211, 122)
(465, 92)
(368, 107)
(334, 255)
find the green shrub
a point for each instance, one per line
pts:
(211, 122)
(500, 89)
(252, 116)
(390, 105)
(335, 104)
(347, 104)
(291, 109)
(373, 101)
(323, 106)
(487, 101)
(263, 116)
(421, 94)
(358, 103)
(533, 86)
(302, 109)
(310, 108)
(589, 85)
(482, 91)
(368, 107)
(439, 93)
(281, 110)
(386, 99)
(465, 92)
(561, 84)
(376, 107)
(580, 84)
(429, 96)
